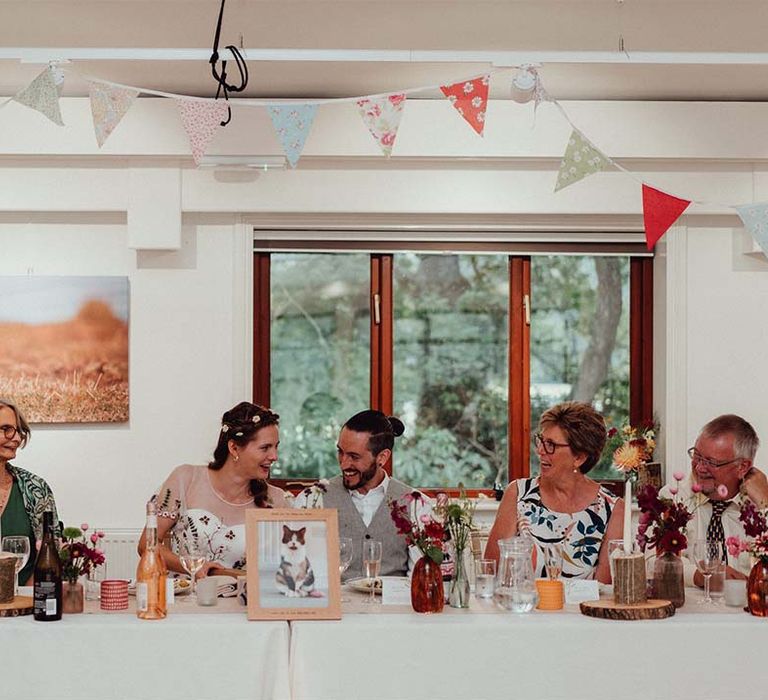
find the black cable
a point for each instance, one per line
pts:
(221, 79)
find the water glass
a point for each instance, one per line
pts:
(709, 558)
(553, 560)
(485, 578)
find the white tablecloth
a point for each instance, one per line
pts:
(220, 656)
(467, 655)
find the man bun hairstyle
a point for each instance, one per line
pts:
(382, 429)
(240, 424)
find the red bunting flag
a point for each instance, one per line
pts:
(660, 211)
(470, 99)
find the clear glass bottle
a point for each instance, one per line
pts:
(151, 574)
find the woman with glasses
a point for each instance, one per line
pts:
(563, 505)
(205, 506)
(24, 497)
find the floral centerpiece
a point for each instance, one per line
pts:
(78, 558)
(632, 446)
(662, 526)
(756, 546)
(458, 517)
(418, 524)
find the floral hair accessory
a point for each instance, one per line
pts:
(225, 428)
(256, 419)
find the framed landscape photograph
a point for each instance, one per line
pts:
(65, 347)
(293, 564)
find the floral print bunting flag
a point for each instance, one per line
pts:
(755, 218)
(109, 104)
(470, 99)
(42, 94)
(382, 117)
(581, 159)
(201, 120)
(292, 124)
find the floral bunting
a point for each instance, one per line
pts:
(382, 117)
(580, 160)
(42, 94)
(660, 211)
(755, 218)
(201, 120)
(109, 104)
(470, 98)
(292, 124)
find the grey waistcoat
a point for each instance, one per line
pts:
(394, 551)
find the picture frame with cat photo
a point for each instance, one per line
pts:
(292, 565)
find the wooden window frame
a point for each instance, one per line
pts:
(519, 414)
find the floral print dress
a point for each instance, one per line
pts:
(580, 533)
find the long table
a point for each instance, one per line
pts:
(382, 652)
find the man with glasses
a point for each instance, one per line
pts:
(722, 472)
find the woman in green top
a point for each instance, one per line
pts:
(24, 497)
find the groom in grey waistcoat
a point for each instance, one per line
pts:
(361, 493)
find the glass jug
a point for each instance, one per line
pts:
(515, 580)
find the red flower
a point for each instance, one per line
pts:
(672, 541)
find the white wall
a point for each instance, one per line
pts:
(63, 211)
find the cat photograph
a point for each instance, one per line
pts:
(294, 577)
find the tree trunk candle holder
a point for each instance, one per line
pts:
(7, 577)
(629, 582)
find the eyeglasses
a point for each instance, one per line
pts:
(696, 458)
(549, 446)
(9, 431)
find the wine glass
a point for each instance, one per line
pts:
(708, 555)
(192, 558)
(372, 565)
(18, 545)
(345, 556)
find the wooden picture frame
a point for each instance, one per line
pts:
(278, 588)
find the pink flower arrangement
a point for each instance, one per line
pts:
(423, 531)
(756, 528)
(77, 557)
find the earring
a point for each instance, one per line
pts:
(236, 457)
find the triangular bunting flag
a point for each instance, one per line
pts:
(108, 106)
(292, 124)
(755, 218)
(382, 117)
(470, 99)
(42, 94)
(660, 211)
(201, 120)
(581, 159)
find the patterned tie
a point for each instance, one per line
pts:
(715, 530)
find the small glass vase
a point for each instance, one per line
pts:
(458, 596)
(427, 594)
(757, 589)
(72, 597)
(668, 580)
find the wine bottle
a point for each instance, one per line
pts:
(151, 574)
(47, 589)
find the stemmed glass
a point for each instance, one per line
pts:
(708, 555)
(345, 556)
(372, 565)
(553, 561)
(17, 545)
(192, 558)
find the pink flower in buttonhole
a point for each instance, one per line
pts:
(678, 476)
(722, 491)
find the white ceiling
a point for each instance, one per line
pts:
(572, 32)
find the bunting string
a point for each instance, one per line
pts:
(381, 114)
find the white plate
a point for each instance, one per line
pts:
(364, 584)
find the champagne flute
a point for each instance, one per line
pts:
(708, 555)
(192, 558)
(372, 565)
(18, 545)
(345, 558)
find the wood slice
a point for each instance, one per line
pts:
(609, 610)
(20, 605)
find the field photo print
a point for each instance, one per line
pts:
(65, 347)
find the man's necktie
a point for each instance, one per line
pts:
(715, 530)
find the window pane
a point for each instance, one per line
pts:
(580, 338)
(320, 355)
(450, 369)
